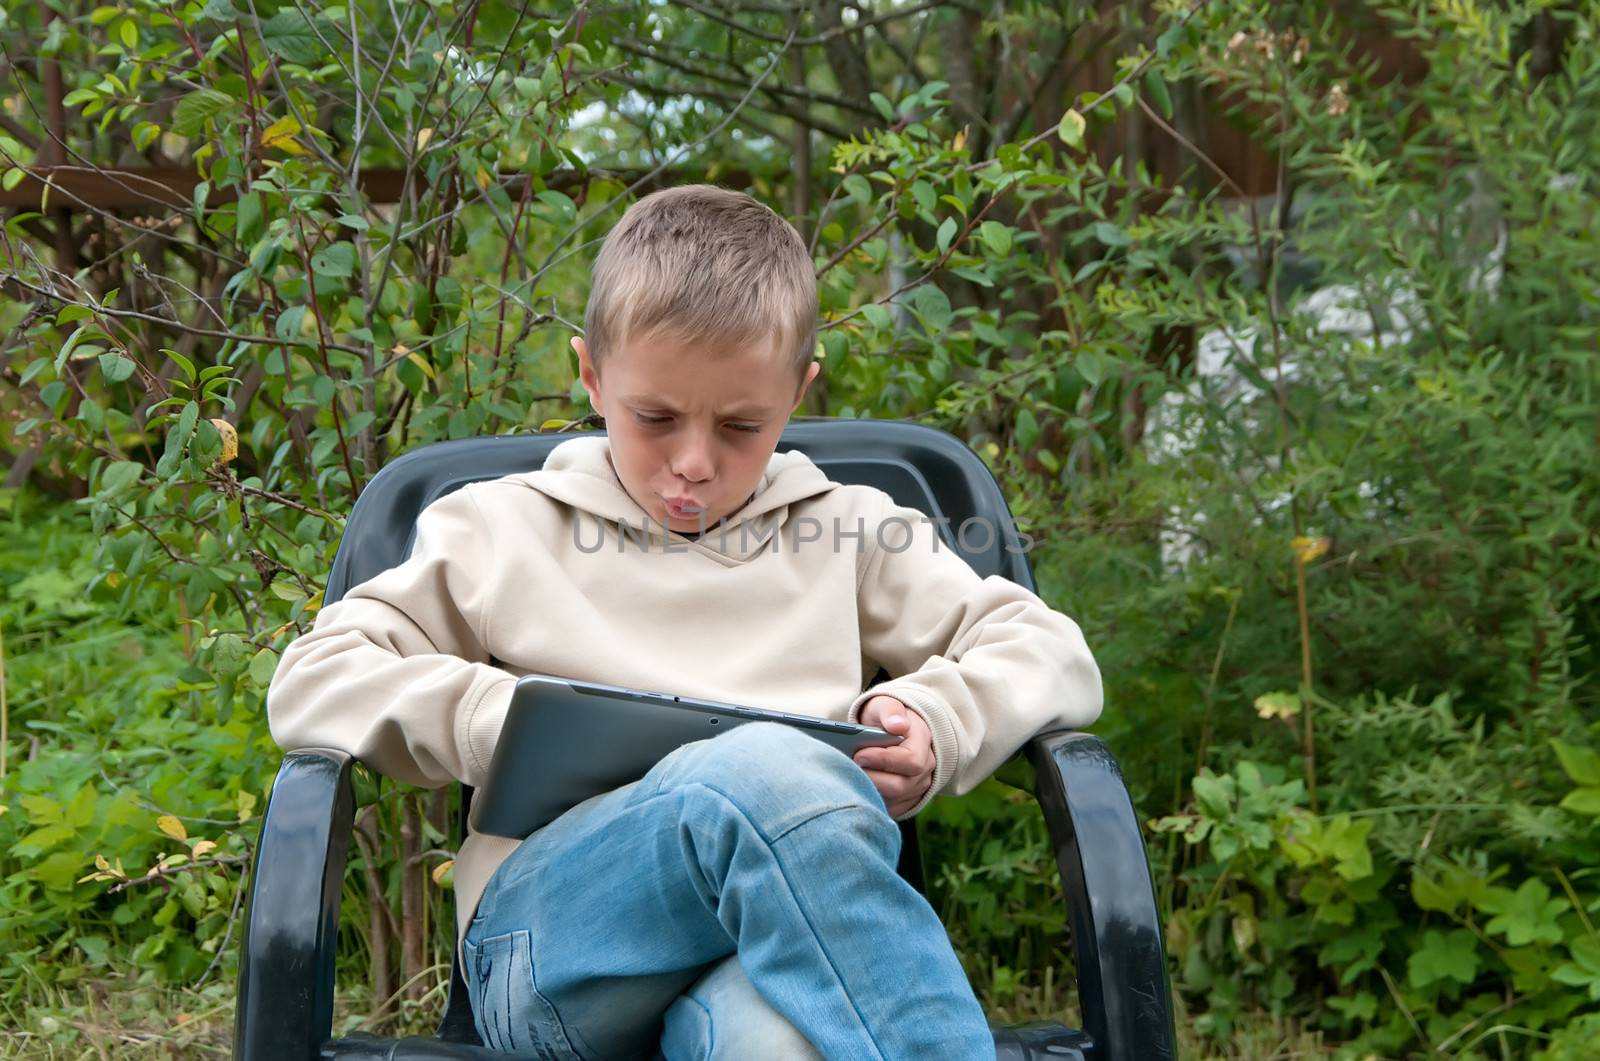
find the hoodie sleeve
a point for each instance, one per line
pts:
(985, 662)
(396, 672)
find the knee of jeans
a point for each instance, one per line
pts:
(740, 1023)
(778, 775)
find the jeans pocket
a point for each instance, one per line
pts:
(507, 1008)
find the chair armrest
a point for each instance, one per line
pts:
(285, 1004)
(1111, 905)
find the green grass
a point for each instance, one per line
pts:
(113, 1019)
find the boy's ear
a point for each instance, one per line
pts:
(811, 374)
(587, 375)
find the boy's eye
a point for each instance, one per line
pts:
(646, 418)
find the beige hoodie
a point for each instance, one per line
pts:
(792, 604)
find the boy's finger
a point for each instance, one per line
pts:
(894, 788)
(898, 760)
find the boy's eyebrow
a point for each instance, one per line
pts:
(654, 402)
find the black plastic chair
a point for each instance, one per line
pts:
(285, 1003)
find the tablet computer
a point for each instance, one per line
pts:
(565, 741)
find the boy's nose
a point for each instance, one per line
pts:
(693, 460)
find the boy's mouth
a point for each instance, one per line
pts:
(682, 507)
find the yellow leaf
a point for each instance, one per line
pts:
(101, 864)
(554, 425)
(230, 439)
(423, 136)
(482, 177)
(201, 847)
(1277, 705)
(1308, 549)
(172, 827)
(281, 135)
(960, 141)
(420, 361)
(441, 869)
(1071, 129)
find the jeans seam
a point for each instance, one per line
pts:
(711, 1027)
(504, 1032)
(783, 872)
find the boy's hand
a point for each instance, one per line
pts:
(902, 773)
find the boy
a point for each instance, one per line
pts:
(741, 899)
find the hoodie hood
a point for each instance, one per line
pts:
(579, 473)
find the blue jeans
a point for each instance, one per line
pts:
(608, 933)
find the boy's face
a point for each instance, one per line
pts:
(692, 428)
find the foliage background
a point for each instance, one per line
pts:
(1276, 321)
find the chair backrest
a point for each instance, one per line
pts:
(919, 466)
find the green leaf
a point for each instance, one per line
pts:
(933, 305)
(262, 664)
(115, 367)
(885, 108)
(1583, 801)
(564, 207)
(1525, 916)
(228, 655)
(337, 259)
(1027, 429)
(287, 326)
(858, 188)
(925, 196)
(189, 117)
(183, 363)
(186, 421)
(80, 95)
(1110, 234)
(997, 237)
(1430, 894)
(1214, 795)
(248, 217)
(289, 34)
(877, 315)
(12, 178)
(1156, 86)
(119, 475)
(1581, 764)
(1170, 38)
(1444, 956)
(947, 232)
(73, 312)
(202, 192)
(72, 341)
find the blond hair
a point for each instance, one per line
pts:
(698, 263)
